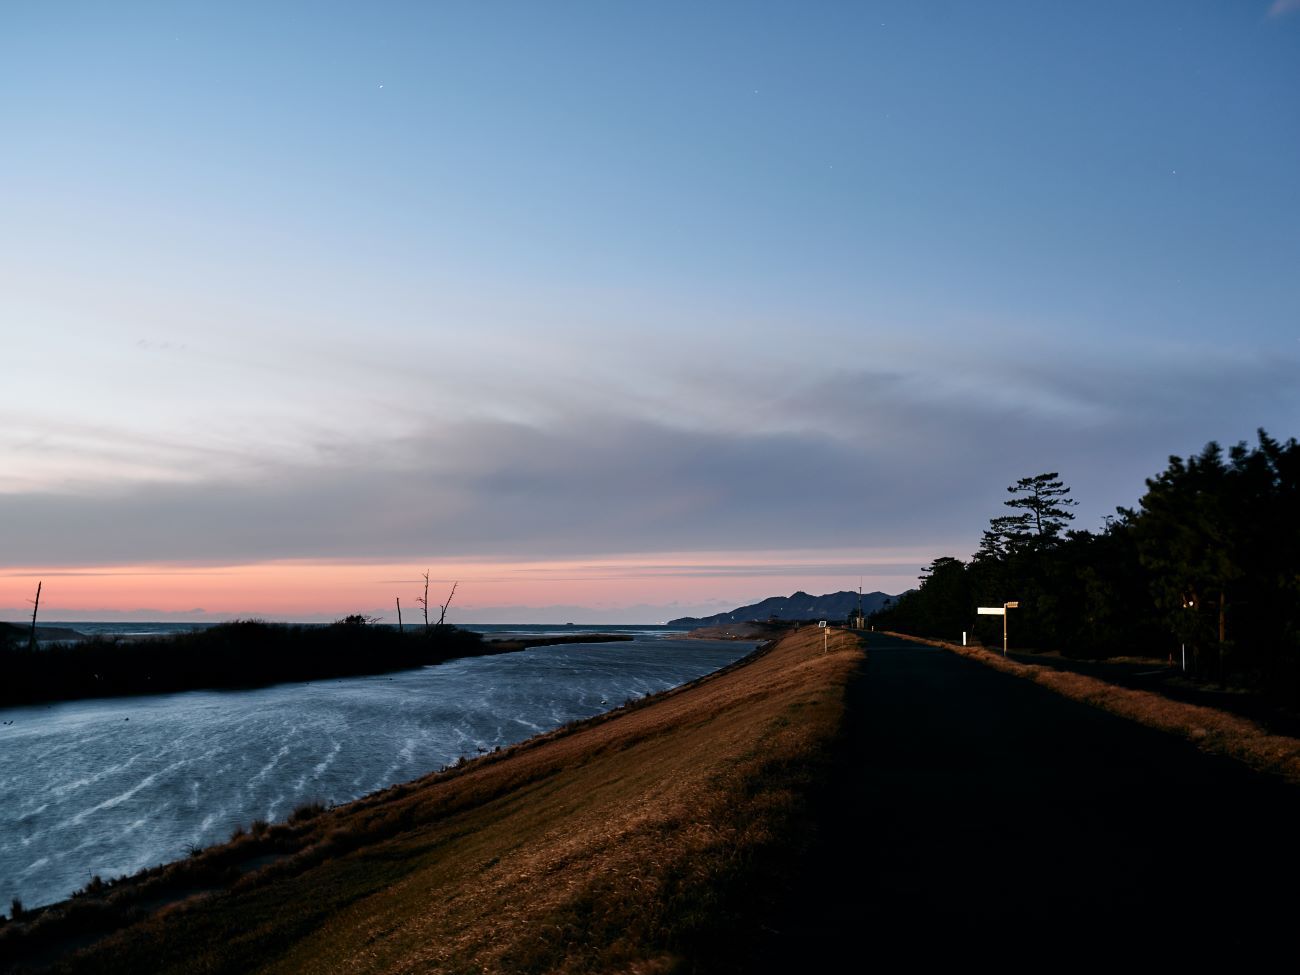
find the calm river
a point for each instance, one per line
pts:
(110, 786)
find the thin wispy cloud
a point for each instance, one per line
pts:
(864, 462)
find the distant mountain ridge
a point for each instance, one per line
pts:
(797, 606)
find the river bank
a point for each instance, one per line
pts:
(110, 786)
(631, 839)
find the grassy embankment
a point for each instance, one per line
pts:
(657, 834)
(246, 653)
(1210, 728)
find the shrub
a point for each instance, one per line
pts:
(306, 811)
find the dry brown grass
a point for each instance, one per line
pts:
(628, 844)
(1211, 729)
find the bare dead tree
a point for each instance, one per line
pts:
(36, 605)
(447, 603)
(424, 602)
(399, 615)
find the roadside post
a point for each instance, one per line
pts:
(822, 624)
(999, 611)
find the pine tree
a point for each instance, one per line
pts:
(1045, 503)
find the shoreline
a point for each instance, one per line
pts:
(312, 838)
(403, 727)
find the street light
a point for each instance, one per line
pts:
(1189, 602)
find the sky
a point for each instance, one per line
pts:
(616, 312)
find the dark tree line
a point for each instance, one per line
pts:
(1209, 560)
(245, 653)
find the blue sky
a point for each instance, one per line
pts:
(526, 282)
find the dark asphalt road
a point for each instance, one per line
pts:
(978, 815)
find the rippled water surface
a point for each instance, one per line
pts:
(111, 786)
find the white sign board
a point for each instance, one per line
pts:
(822, 623)
(991, 611)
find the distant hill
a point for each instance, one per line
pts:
(799, 606)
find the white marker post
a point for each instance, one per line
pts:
(822, 624)
(999, 611)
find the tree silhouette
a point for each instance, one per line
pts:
(1209, 558)
(1044, 505)
(1219, 538)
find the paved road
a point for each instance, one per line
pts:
(979, 815)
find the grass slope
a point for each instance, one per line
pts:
(654, 839)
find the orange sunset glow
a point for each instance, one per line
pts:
(290, 589)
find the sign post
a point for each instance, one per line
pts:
(822, 624)
(999, 611)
